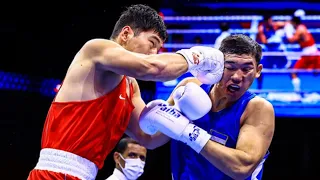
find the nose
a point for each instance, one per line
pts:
(237, 76)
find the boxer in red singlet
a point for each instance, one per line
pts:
(309, 58)
(98, 102)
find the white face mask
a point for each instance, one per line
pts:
(133, 168)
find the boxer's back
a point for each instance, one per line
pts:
(224, 126)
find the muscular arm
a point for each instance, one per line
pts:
(253, 142)
(113, 57)
(134, 131)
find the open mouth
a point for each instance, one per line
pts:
(233, 88)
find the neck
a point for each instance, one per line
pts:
(219, 99)
(119, 168)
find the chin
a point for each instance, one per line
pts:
(234, 96)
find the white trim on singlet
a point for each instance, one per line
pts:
(309, 50)
(257, 171)
(67, 163)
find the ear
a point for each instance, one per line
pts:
(126, 34)
(259, 70)
(116, 157)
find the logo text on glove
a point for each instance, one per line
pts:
(169, 110)
(195, 58)
(194, 134)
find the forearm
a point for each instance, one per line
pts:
(164, 67)
(234, 163)
(110, 56)
(152, 141)
(158, 67)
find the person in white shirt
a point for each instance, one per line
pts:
(224, 27)
(130, 158)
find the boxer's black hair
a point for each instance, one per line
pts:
(140, 18)
(296, 20)
(123, 144)
(266, 17)
(241, 44)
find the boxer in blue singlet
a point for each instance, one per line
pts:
(219, 131)
(240, 123)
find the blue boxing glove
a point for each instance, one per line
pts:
(159, 116)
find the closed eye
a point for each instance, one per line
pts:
(230, 68)
(246, 69)
(153, 44)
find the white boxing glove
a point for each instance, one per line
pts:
(192, 101)
(205, 63)
(172, 123)
(289, 30)
(146, 126)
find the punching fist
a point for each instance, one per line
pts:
(192, 101)
(158, 115)
(168, 120)
(147, 126)
(205, 63)
(289, 30)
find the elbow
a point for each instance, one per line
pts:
(146, 141)
(243, 171)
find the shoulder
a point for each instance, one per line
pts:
(259, 108)
(98, 42)
(259, 104)
(98, 46)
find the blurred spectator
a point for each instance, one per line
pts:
(224, 27)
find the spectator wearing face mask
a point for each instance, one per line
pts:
(129, 157)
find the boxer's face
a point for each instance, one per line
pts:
(147, 42)
(239, 73)
(133, 151)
